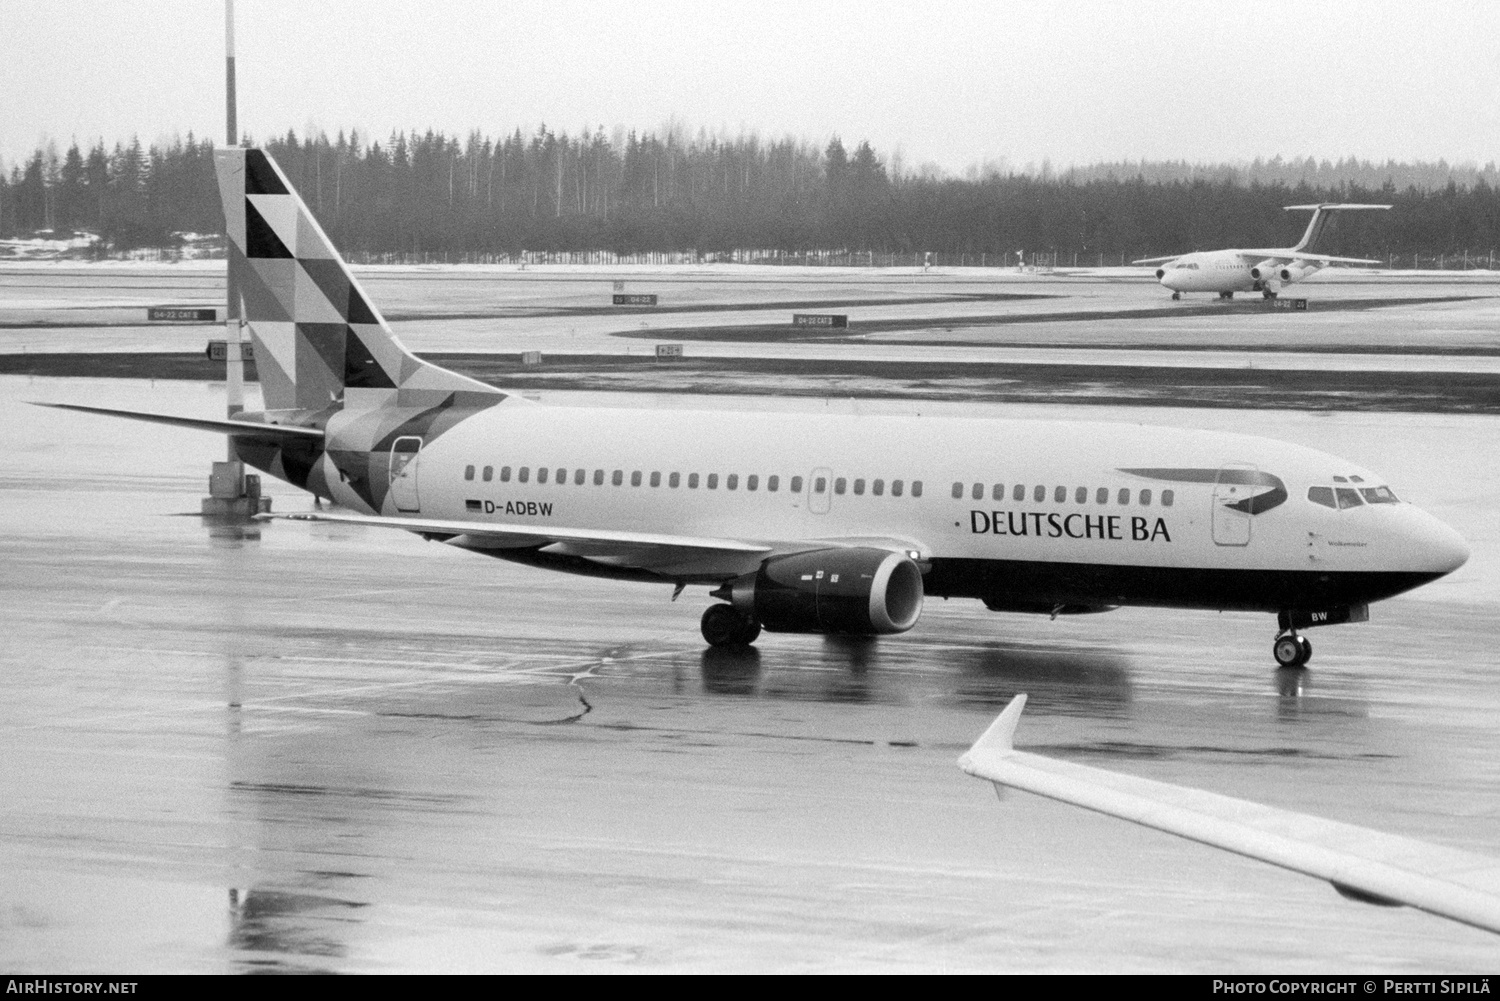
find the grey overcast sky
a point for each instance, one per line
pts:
(953, 84)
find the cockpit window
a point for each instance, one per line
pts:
(1185, 267)
(1348, 497)
(1322, 495)
(1379, 495)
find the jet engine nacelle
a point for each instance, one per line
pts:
(1295, 272)
(1161, 273)
(859, 591)
(1265, 270)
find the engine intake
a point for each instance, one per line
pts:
(859, 591)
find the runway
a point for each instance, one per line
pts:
(296, 748)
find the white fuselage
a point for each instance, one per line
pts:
(967, 491)
(1231, 271)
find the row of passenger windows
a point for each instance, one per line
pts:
(1060, 494)
(1339, 498)
(731, 481)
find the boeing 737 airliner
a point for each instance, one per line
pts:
(1265, 271)
(798, 522)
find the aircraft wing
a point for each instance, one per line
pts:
(1157, 260)
(669, 555)
(247, 429)
(1285, 256)
(1362, 864)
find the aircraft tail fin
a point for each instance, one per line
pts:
(319, 340)
(1321, 214)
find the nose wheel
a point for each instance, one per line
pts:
(1292, 650)
(724, 625)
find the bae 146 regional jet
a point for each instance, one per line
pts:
(1265, 271)
(797, 522)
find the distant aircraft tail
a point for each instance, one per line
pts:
(319, 341)
(1322, 213)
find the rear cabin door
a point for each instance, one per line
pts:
(1232, 527)
(405, 453)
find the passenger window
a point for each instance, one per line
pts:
(1323, 496)
(674, 480)
(752, 482)
(732, 481)
(839, 485)
(1039, 494)
(541, 475)
(916, 488)
(635, 478)
(656, 479)
(1059, 495)
(773, 483)
(1348, 497)
(859, 488)
(598, 477)
(1018, 492)
(579, 476)
(820, 485)
(1145, 498)
(562, 477)
(1167, 497)
(997, 492)
(977, 492)
(618, 477)
(1379, 495)
(523, 474)
(879, 487)
(692, 481)
(468, 472)
(796, 484)
(713, 481)
(895, 488)
(1081, 495)
(1124, 496)
(1102, 497)
(489, 474)
(958, 491)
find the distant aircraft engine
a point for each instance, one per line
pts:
(1161, 273)
(1295, 272)
(1264, 270)
(859, 591)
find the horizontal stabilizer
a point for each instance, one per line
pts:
(240, 429)
(1157, 260)
(1331, 207)
(1360, 863)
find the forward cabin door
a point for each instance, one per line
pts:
(1232, 527)
(404, 455)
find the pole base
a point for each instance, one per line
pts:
(235, 507)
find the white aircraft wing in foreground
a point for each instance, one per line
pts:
(1362, 864)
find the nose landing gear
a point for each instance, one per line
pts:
(1291, 650)
(725, 625)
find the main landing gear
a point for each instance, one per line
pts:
(1176, 296)
(1226, 295)
(1267, 293)
(725, 625)
(1291, 650)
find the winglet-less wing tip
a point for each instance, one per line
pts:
(1000, 737)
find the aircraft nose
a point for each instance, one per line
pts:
(1441, 548)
